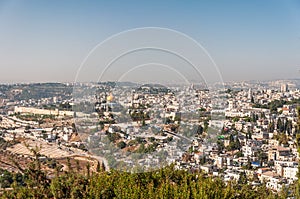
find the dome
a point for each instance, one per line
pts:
(110, 98)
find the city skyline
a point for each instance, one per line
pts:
(149, 99)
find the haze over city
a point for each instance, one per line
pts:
(150, 99)
(46, 41)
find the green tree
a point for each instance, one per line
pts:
(243, 178)
(121, 145)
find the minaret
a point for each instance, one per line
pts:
(132, 98)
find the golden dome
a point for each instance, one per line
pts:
(110, 97)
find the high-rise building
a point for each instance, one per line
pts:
(284, 88)
(250, 94)
(231, 105)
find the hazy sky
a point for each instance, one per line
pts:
(47, 40)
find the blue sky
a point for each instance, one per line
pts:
(47, 40)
